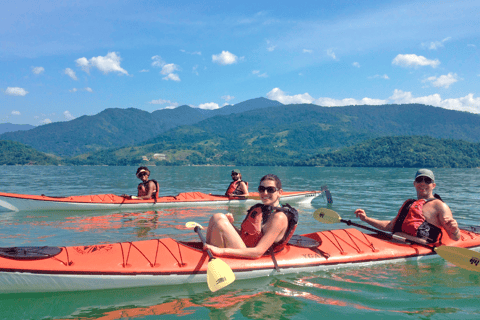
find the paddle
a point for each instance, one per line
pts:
(461, 257)
(219, 274)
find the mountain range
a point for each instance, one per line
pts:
(118, 127)
(254, 132)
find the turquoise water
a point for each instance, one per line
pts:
(432, 289)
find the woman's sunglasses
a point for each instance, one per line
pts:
(427, 180)
(141, 174)
(262, 189)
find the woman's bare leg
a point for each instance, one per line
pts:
(221, 233)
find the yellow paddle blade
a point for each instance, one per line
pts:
(219, 275)
(192, 225)
(326, 215)
(461, 257)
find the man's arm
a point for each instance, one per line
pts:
(384, 225)
(445, 217)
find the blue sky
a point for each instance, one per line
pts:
(63, 59)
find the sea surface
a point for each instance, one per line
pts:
(433, 289)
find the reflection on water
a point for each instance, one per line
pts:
(432, 289)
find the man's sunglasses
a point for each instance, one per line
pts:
(234, 174)
(427, 180)
(262, 189)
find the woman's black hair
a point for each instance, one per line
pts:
(274, 178)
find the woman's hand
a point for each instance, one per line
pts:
(216, 251)
(229, 217)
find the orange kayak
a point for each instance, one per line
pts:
(169, 262)
(22, 202)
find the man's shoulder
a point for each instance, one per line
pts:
(438, 204)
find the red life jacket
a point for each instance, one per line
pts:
(410, 219)
(232, 188)
(251, 229)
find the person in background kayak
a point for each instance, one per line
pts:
(422, 218)
(147, 189)
(266, 226)
(238, 187)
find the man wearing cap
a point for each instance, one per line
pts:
(422, 218)
(238, 187)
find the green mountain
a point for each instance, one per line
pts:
(14, 153)
(290, 135)
(408, 152)
(118, 127)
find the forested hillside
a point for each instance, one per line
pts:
(118, 127)
(14, 153)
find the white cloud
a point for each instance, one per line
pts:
(38, 70)
(224, 58)
(193, 53)
(73, 90)
(380, 76)
(16, 113)
(68, 115)
(279, 95)
(158, 61)
(69, 72)
(107, 64)
(443, 81)
(307, 51)
(331, 54)
(209, 106)
(16, 91)
(171, 104)
(260, 75)
(84, 64)
(172, 76)
(167, 68)
(46, 121)
(412, 60)
(194, 69)
(356, 64)
(88, 89)
(434, 45)
(228, 98)
(144, 70)
(467, 103)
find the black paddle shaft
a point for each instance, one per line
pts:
(199, 231)
(389, 235)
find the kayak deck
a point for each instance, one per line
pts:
(20, 202)
(170, 262)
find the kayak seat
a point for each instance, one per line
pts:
(29, 253)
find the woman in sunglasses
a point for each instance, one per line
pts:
(147, 189)
(266, 226)
(423, 218)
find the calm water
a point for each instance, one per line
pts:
(427, 290)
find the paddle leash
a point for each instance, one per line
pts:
(461, 257)
(219, 274)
